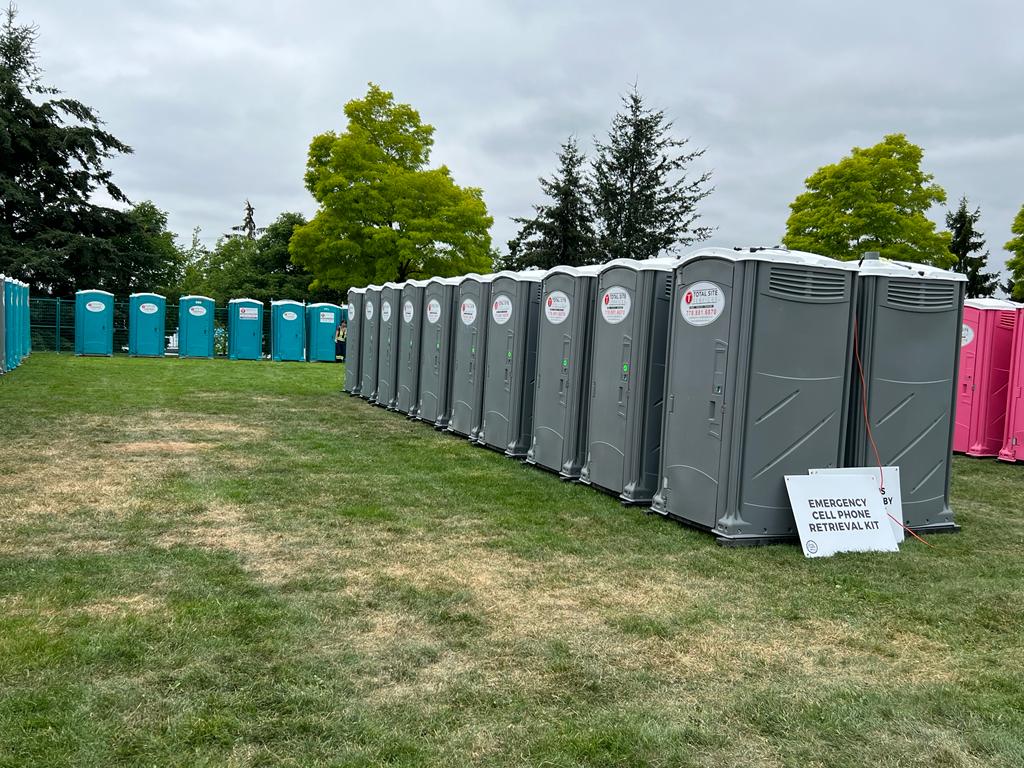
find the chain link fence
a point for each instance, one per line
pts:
(53, 327)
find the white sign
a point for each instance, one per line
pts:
(351, 310)
(289, 315)
(385, 311)
(248, 313)
(615, 304)
(368, 309)
(408, 312)
(892, 497)
(557, 307)
(197, 310)
(433, 311)
(966, 335)
(95, 306)
(148, 308)
(702, 303)
(501, 309)
(326, 316)
(467, 311)
(839, 513)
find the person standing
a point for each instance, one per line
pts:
(340, 339)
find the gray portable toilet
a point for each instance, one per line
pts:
(627, 377)
(322, 321)
(369, 339)
(472, 302)
(3, 324)
(908, 331)
(510, 362)
(94, 323)
(195, 326)
(759, 370)
(353, 358)
(387, 355)
(409, 340)
(146, 324)
(561, 390)
(436, 359)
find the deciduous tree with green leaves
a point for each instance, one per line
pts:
(1015, 285)
(644, 200)
(965, 244)
(384, 215)
(562, 231)
(875, 199)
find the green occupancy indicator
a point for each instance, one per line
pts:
(625, 367)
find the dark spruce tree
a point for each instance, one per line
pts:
(966, 243)
(562, 231)
(644, 201)
(52, 155)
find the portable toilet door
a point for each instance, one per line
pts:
(627, 377)
(3, 324)
(387, 357)
(195, 326)
(409, 342)
(510, 362)
(1013, 434)
(986, 344)
(287, 331)
(434, 403)
(758, 372)
(322, 321)
(369, 339)
(146, 320)
(94, 323)
(561, 393)
(908, 332)
(468, 349)
(353, 372)
(245, 329)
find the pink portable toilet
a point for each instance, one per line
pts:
(986, 342)
(1013, 435)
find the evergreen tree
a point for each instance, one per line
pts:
(52, 153)
(644, 202)
(965, 243)
(561, 232)
(1015, 285)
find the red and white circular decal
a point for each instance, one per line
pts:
(95, 306)
(368, 309)
(198, 310)
(433, 311)
(289, 315)
(966, 335)
(615, 304)
(467, 311)
(408, 312)
(385, 311)
(148, 308)
(557, 307)
(702, 303)
(501, 309)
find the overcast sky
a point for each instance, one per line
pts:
(221, 99)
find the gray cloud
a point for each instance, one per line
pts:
(220, 99)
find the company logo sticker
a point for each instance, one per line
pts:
(557, 307)
(289, 315)
(197, 310)
(966, 335)
(95, 306)
(385, 311)
(467, 311)
(368, 310)
(501, 309)
(326, 316)
(702, 303)
(248, 313)
(408, 312)
(615, 304)
(351, 310)
(148, 308)
(433, 311)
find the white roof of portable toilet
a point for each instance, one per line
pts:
(86, 290)
(146, 293)
(373, 287)
(417, 283)
(324, 304)
(587, 269)
(907, 269)
(775, 255)
(357, 290)
(190, 296)
(488, 278)
(254, 301)
(659, 264)
(286, 301)
(990, 304)
(392, 284)
(528, 275)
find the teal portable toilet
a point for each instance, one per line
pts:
(94, 323)
(245, 329)
(3, 323)
(147, 315)
(195, 326)
(322, 321)
(287, 330)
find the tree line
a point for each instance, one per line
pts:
(385, 213)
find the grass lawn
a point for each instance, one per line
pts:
(229, 563)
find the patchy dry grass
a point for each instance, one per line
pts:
(199, 567)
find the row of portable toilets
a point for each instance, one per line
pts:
(298, 331)
(691, 385)
(990, 390)
(15, 332)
